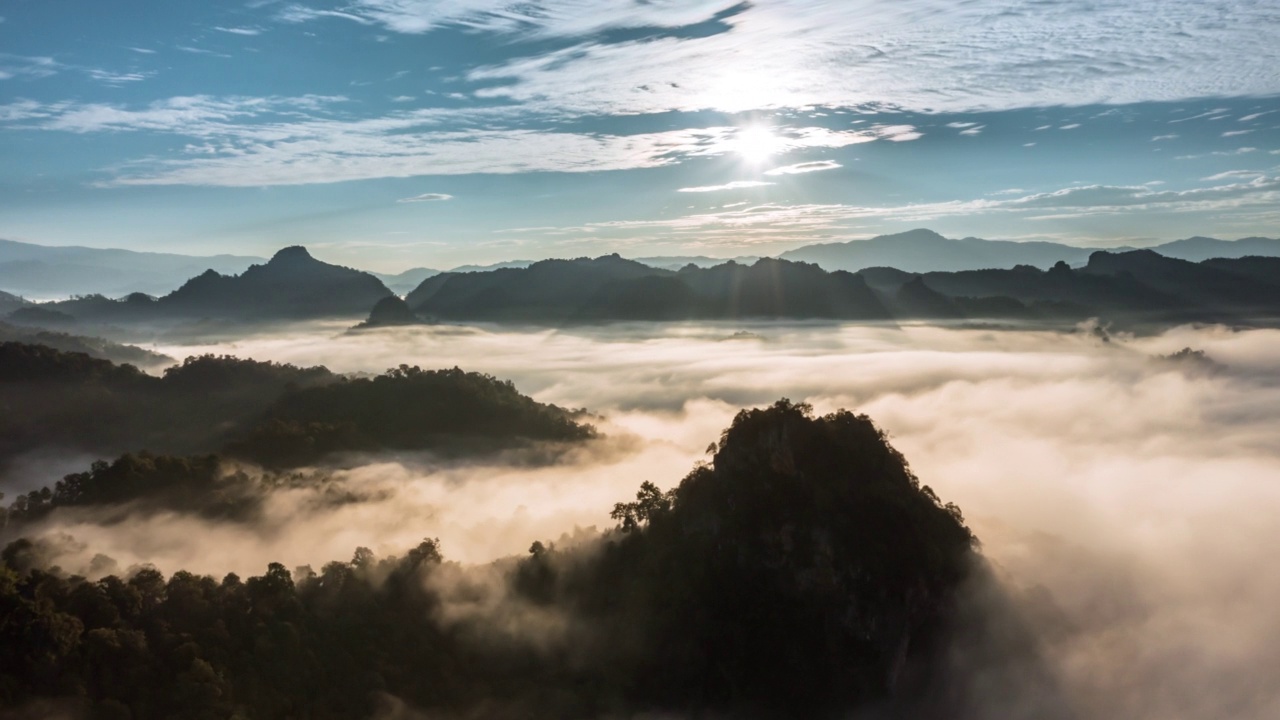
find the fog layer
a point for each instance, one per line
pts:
(1130, 502)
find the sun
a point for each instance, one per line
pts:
(756, 143)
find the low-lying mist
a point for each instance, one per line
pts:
(1129, 501)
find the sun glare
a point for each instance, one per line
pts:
(756, 143)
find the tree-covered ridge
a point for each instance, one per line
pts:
(91, 346)
(406, 408)
(803, 573)
(273, 413)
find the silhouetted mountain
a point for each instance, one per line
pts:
(612, 288)
(291, 286)
(549, 290)
(49, 272)
(1262, 269)
(1136, 286)
(1197, 249)
(915, 299)
(675, 262)
(925, 251)
(389, 311)
(1199, 286)
(493, 266)
(401, 283)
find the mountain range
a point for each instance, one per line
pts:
(1132, 287)
(51, 272)
(291, 286)
(614, 288)
(47, 273)
(924, 250)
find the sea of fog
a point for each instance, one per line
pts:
(1132, 503)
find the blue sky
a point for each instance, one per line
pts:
(393, 133)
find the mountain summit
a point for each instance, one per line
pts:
(293, 285)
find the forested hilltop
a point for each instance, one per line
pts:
(277, 415)
(805, 572)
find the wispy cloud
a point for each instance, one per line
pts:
(774, 223)
(37, 67)
(238, 30)
(1234, 174)
(301, 13)
(200, 51)
(426, 197)
(301, 140)
(804, 167)
(31, 67)
(735, 185)
(114, 78)
(939, 55)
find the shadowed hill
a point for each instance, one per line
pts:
(291, 286)
(388, 312)
(261, 411)
(91, 346)
(1134, 287)
(611, 288)
(546, 290)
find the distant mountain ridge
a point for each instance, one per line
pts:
(1132, 287)
(614, 288)
(291, 286)
(57, 271)
(923, 250)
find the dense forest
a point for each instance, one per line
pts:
(274, 414)
(804, 572)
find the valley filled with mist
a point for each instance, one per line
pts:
(639, 360)
(1121, 488)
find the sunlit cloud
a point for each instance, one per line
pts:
(735, 185)
(804, 167)
(426, 197)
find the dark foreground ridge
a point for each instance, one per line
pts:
(277, 415)
(804, 573)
